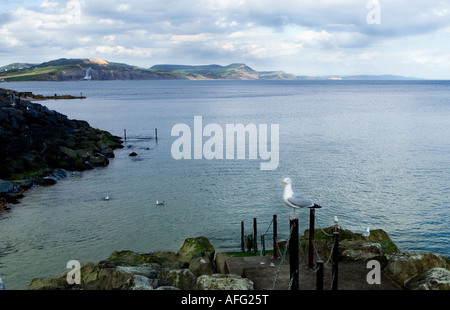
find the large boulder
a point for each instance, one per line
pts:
(182, 278)
(196, 247)
(48, 284)
(401, 267)
(359, 250)
(224, 282)
(432, 279)
(6, 187)
(201, 265)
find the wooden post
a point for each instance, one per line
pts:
(125, 135)
(319, 279)
(275, 244)
(242, 237)
(311, 237)
(263, 246)
(335, 261)
(255, 233)
(156, 134)
(293, 255)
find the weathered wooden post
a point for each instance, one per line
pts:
(275, 244)
(319, 279)
(263, 246)
(242, 237)
(255, 233)
(156, 134)
(293, 254)
(335, 261)
(311, 237)
(125, 135)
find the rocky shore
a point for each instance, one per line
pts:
(192, 268)
(196, 266)
(40, 146)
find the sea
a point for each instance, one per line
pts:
(372, 153)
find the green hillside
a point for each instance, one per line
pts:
(74, 69)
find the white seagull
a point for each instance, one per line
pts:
(295, 201)
(336, 220)
(159, 203)
(366, 233)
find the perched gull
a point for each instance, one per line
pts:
(107, 198)
(366, 233)
(336, 221)
(295, 201)
(159, 203)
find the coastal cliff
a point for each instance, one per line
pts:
(100, 70)
(38, 145)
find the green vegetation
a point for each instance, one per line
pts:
(206, 71)
(32, 74)
(74, 69)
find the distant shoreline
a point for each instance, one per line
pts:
(99, 69)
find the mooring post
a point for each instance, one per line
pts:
(293, 254)
(275, 245)
(319, 279)
(242, 237)
(156, 134)
(335, 260)
(263, 246)
(311, 237)
(125, 135)
(255, 233)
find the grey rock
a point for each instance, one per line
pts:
(6, 186)
(432, 279)
(181, 278)
(403, 266)
(201, 266)
(224, 282)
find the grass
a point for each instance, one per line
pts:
(31, 74)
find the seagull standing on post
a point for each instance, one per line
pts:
(295, 201)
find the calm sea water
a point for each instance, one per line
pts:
(372, 153)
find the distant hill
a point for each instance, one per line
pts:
(15, 66)
(75, 69)
(236, 71)
(65, 69)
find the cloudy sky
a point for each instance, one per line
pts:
(304, 37)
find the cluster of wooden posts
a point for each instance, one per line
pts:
(125, 134)
(293, 248)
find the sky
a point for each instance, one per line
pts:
(303, 37)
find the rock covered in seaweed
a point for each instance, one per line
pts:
(35, 140)
(128, 270)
